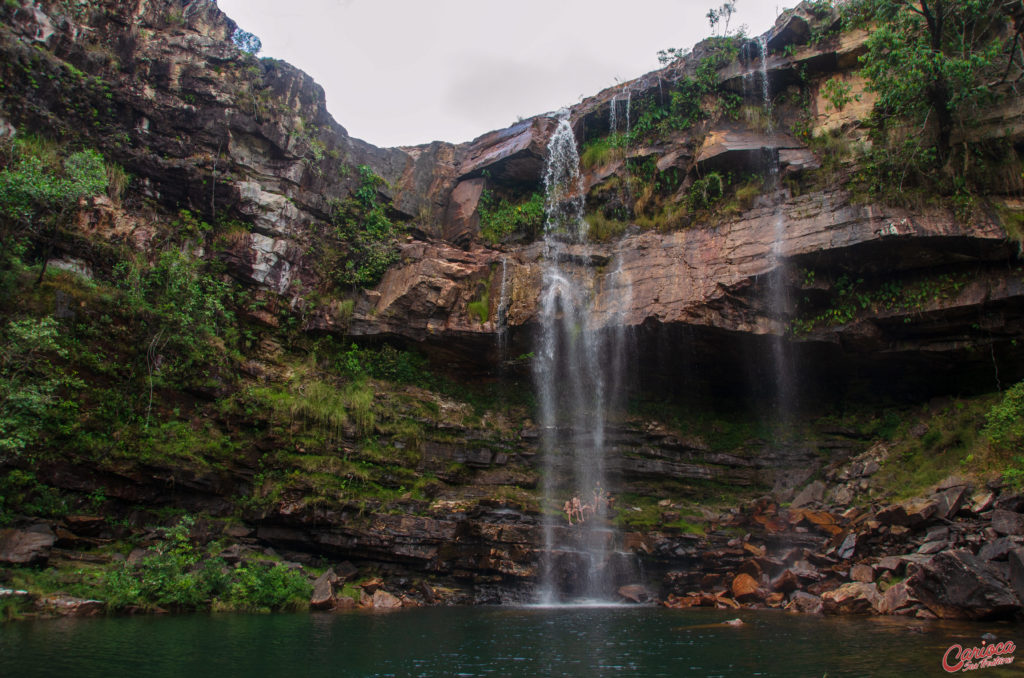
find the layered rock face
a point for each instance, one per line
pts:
(704, 298)
(207, 128)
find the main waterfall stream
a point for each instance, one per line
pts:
(574, 366)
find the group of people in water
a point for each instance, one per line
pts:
(578, 511)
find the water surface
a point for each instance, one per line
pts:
(467, 642)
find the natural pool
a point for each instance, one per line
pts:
(492, 641)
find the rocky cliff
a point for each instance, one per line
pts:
(729, 235)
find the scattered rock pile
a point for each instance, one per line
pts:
(955, 553)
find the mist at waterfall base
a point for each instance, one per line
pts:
(485, 641)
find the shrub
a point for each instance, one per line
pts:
(500, 218)
(31, 184)
(260, 588)
(1005, 421)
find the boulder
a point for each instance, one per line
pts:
(1009, 501)
(382, 600)
(889, 564)
(745, 588)
(636, 593)
(949, 502)
(997, 550)
(862, 573)
(848, 548)
(345, 571)
(851, 598)
(897, 597)
(69, 606)
(1016, 562)
(981, 501)
(786, 582)
(811, 494)
(30, 546)
(957, 584)
(807, 603)
(1007, 522)
(323, 591)
(908, 514)
(930, 547)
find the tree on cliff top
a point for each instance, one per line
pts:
(937, 62)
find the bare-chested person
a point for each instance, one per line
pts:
(567, 507)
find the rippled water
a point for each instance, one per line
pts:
(469, 642)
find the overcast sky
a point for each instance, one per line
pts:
(404, 72)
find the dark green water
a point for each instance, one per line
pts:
(490, 642)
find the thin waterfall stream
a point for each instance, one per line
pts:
(778, 301)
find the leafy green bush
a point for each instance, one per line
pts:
(21, 493)
(184, 309)
(1005, 421)
(32, 183)
(363, 236)
(30, 383)
(706, 191)
(500, 218)
(176, 576)
(260, 587)
(169, 578)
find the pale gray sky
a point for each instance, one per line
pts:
(404, 72)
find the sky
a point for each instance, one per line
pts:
(406, 72)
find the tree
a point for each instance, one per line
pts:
(246, 41)
(724, 12)
(935, 62)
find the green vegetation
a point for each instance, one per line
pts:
(1004, 428)
(849, 297)
(600, 151)
(655, 120)
(36, 181)
(838, 93)
(177, 576)
(30, 384)
(359, 243)
(935, 67)
(500, 217)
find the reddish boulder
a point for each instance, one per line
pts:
(862, 573)
(852, 598)
(745, 588)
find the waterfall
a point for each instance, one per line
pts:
(502, 313)
(629, 97)
(778, 300)
(762, 48)
(571, 377)
(613, 115)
